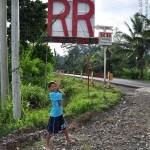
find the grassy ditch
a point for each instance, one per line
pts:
(80, 105)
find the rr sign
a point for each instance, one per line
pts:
(105, 38)
(71, 18)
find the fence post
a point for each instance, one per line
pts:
(81, 75)
(108, 78)
(73, 75)
(91, 77)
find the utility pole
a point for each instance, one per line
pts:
(146, 13)
(15, 40)
(146, 8)
(140, 4)
(3, 52)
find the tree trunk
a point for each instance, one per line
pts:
(15, 40)
(3, 52)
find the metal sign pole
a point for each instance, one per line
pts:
(88, 74)
(105, 38)
(105, 72)
(104, 67)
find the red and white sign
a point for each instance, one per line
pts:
(105, 38)
(71, 18)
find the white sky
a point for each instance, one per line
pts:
(111, 13)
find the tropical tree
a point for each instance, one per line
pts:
(117, 55)
(33, 16)
(77, 57)
(34, 69)
(138, 39)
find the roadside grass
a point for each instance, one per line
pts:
(78, 106)
(32, 118)
(81, 102)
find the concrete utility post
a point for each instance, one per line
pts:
(3, 51)
(15, 40)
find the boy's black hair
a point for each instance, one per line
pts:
(50, 83)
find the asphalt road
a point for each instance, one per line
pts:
(125, 82)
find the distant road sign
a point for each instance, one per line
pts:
(105, 38)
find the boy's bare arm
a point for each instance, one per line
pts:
(59, 79)
(61, 92)
(59, 82)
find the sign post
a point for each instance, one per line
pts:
(105, 39)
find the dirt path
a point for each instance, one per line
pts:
(124, 127)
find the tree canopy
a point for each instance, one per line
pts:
(33, 16)
(138, 40)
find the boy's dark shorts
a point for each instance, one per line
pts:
(56, 124)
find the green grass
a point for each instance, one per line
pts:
(81, 102)
(76, 103)
(34, 118)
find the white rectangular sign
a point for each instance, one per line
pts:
(71, 18)
(105, 38)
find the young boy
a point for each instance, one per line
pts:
(56, 120)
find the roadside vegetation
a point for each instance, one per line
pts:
(128, 57)
(36, 105)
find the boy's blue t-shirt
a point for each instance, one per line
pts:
(56, 99)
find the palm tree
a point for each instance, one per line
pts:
(139, 39)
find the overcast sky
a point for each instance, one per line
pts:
(112, 13)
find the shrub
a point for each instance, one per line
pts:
(128, 73)
(6, 113)
(69, 91)
(118, 73)
(34, 97)
(146, 75)
(32, 64)
(135, 73)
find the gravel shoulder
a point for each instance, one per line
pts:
(124, 127)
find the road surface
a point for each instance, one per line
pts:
(126, 82)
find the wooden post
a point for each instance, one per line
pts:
(81, 75)
(108, 78)
(73, 75)
(91, 77)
